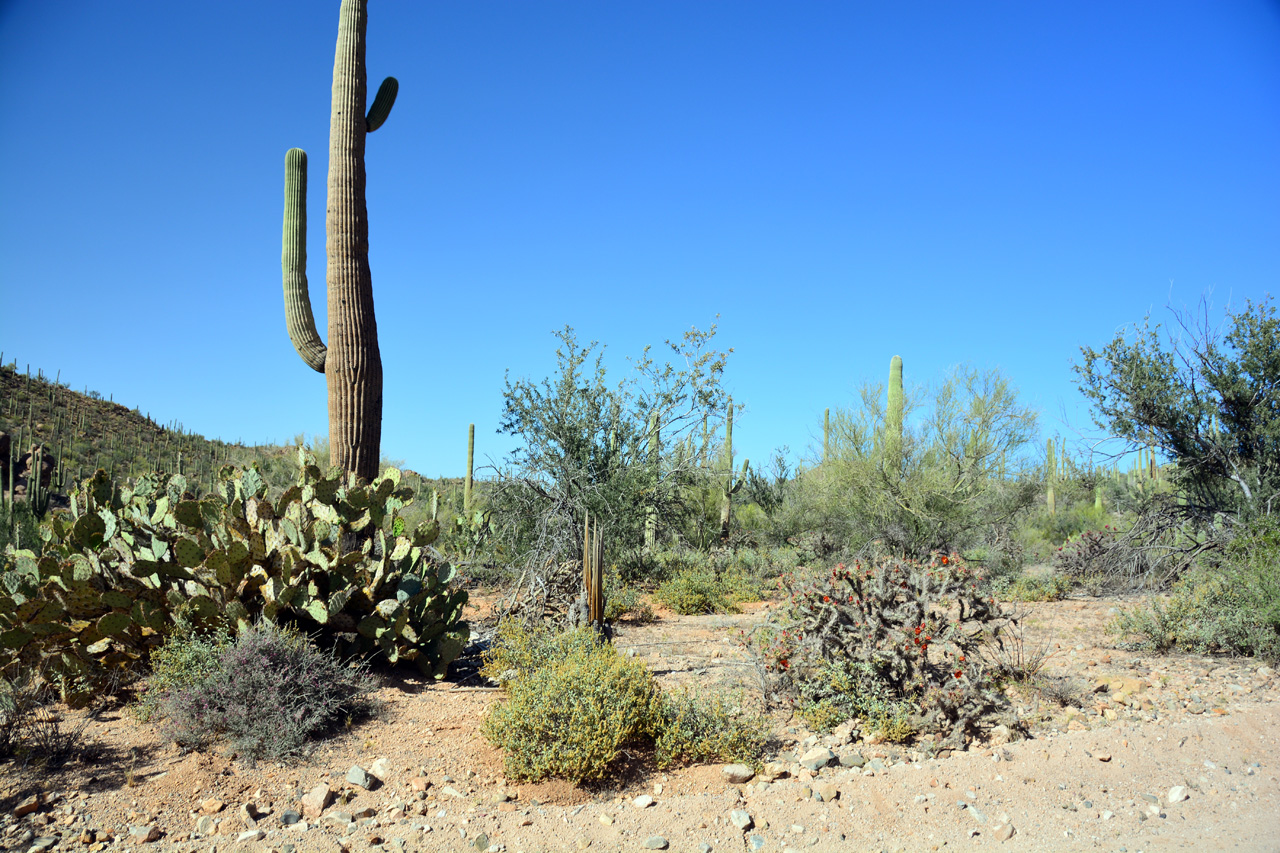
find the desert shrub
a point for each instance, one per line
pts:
(573, 703)
(707, 591)
(1229, 605)
(31, 730)
(187, 658)
(271, 691)
(571, 717)
(692, 729)
(892, 641)
(623, 601)
(1040, 587)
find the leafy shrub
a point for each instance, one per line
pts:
(573, 703)
(185, 659)
(693, 730)
(1045, 587)
(704, 591)
(271, 692)
(571, 717)
(1232, 607)
(624, 602)
(887, 637)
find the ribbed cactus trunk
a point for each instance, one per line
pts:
(894, 415)
(826, 435)
(351, 362)
(471, 457)
(1051, 471)
(353, 372)
(651, 513)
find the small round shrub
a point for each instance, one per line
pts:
(696, 730)
(271, 693)
(570, 718)
(185, 659)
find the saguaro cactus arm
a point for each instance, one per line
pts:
(382, 103)
(298, 318)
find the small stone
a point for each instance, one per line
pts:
(502, 795)
(289, 817)
(704, 847)
(43, 843)
(817, 758)
(655, 842)
(741, 819)
(251, 835)
(826, 792)
(144, 834)
(852, 759)
(249, 816)
(643, 802)
(1103, 756)
(737, 774)
(381, 769)
(1177, 794)
(606, 820)
(481, 843)
(27, 806)
(419, 783)
(213, 805)
(452, 792)
(1004, 833)
(583, 842)
(205, 825)
(316, 801)
(755, 842)
(359, 777)
(1000, 735)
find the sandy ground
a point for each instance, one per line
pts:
(1168, 752)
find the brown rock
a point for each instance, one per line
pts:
(212, 806)
(419, 783)
(1004, 833)
(27, 806)
(144, 834)
(1103, 756)
(316, 801)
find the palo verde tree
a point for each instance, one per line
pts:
(626, 452)
(351, 362)
(1209, 400)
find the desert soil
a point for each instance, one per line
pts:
(1167, 753)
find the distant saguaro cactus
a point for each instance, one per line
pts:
(471, 457)
(1051, 475)
(894, 414)
(730, 487)
(351, 362)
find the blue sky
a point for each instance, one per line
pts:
(990, 183)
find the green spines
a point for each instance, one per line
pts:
(730, 486)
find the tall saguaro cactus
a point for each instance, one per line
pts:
(655, 460)
(894, 415)
(471, 458)
(351, 362)
(1050, 475)
(730, 487)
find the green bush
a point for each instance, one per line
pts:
(1231, 607)
(573, 703)
(571, 717)
(624, 602)
(704, 591)
(185, 659)
(694, 730)
(1046, 587)
(270, 691)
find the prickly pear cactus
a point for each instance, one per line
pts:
(330, 555)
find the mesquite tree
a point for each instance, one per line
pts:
(351, 362)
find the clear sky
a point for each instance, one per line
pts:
(991, 183)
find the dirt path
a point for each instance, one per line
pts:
(1169, 753)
